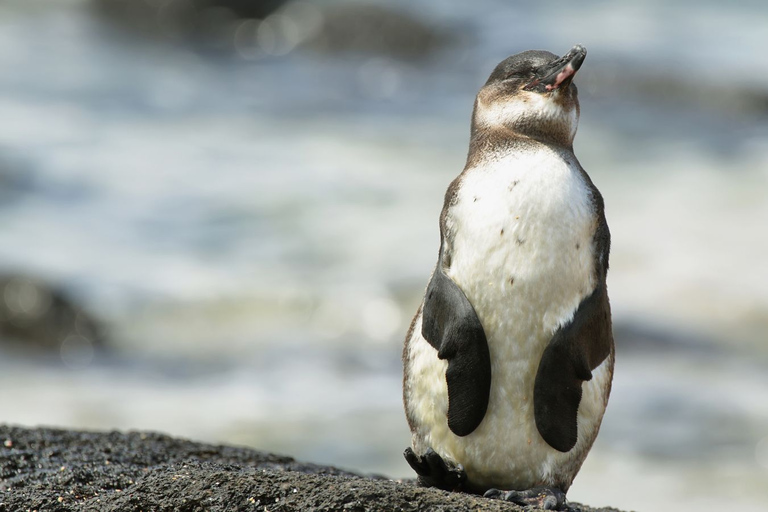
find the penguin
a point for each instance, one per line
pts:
(509, 360)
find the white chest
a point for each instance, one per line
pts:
(521, 250)
(522, 240)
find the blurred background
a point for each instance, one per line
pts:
(217, 218)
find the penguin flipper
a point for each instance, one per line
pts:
(576, 349)
(450, 324)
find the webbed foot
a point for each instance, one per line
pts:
(547, 498)
(433, 471)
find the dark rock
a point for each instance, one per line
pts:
(62, 470)
(254, 29)
(145, 13)
(37, 316)
(258, 9)
(184, 20)
(376, 30)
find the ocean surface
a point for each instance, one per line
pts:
(255, 231)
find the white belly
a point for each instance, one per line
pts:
(522, 253)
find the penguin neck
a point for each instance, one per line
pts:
(485, 142)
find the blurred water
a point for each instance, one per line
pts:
(257, 234)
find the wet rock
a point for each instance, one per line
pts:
(36, 316)
(376, 30)
(191, 13)
(205, 21)
(63, 470)
(254, 30)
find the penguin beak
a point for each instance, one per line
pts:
(558, 74)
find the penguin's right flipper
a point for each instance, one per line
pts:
(450, 324)
(433, 471)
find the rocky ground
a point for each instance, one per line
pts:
(48, 469)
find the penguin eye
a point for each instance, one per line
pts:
(520, 74)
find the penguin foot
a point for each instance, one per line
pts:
(547, 498)
(433, 471)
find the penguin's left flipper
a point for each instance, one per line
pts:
(577, 348)
(547, 498)
(433, 471)
(450, 324)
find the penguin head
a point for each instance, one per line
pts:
(532, 94)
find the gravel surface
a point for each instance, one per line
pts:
(48, 469)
